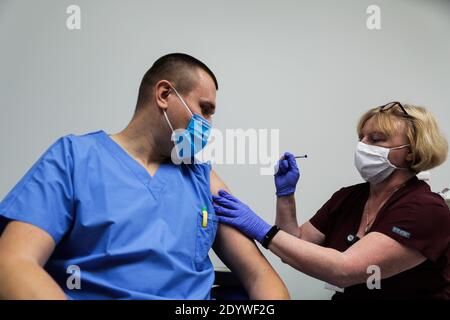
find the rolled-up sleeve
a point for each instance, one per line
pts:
(422, 224)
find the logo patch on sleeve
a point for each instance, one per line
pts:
(402, 233)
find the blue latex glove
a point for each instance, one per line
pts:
(286, 175)
(233, 212)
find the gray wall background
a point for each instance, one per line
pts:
(309, 68)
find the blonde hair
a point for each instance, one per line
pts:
(428, 144)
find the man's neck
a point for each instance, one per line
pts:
(139, 140)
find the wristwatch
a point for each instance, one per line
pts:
(269, 236)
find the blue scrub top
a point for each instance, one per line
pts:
(133, 236)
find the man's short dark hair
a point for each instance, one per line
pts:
(178, 68)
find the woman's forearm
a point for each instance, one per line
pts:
(286, 215)
(326, 264)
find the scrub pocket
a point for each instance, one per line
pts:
(205, 239)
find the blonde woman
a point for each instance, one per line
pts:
(392, 225)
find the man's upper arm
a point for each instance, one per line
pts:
(25, 241)
(216, 183)
(237, 251)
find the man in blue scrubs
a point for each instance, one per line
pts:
(118, 211)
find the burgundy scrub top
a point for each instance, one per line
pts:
(415, 217)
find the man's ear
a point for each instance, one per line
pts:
(162, 92)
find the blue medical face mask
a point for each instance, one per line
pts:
(194, 138)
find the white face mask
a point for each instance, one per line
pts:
(373, 163)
